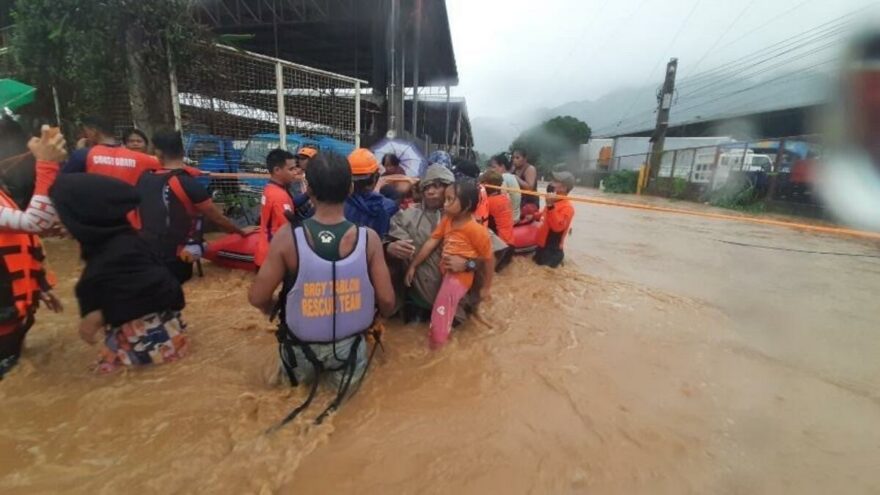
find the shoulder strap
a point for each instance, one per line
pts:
(177, 188)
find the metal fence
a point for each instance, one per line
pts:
(780, 170)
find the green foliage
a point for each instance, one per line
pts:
(622, 182)
(573, 131)
(736, 195)
(553, 141)
(679, 188)
(79, 47)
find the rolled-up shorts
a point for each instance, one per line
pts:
(304, 370)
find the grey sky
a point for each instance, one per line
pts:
(517, 55)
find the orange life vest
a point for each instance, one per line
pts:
(20, 272)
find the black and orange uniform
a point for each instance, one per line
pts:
(277, 203)
(552, 233)
(170, 215)
(114, 160)
(22, 279)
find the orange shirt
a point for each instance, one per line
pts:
(482, 212)
(276, 200)
(501, 217)
(556, 219)
(470, 240)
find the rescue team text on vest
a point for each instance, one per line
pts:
(115, 161)
(317, 300)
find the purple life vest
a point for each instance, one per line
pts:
(330, 300)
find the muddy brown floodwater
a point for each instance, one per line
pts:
(661, 359)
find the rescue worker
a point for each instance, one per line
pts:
(24, 280)
(366, 207)
(104, 155)
(557, 216)
(172, 205)
(276, 200)
(335, 277)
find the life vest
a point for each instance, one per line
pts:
(157, 222)
(21, 272)
(329, 300)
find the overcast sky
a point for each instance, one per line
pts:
(516, 55)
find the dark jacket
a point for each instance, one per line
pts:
(370, 210)
(123, 277)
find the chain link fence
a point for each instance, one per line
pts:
(247, 104)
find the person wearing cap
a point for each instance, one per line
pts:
(365, 207)
(557, 215)
(303, 208)
(303, 155)
(409, 230)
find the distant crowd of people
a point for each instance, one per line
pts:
(345, 238)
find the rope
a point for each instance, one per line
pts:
(841, 231)
(717, 216)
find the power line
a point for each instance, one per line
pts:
(703, 90)
(834, 26)
(718, 40)
(660, 60)
(763, 83)
(722, 113)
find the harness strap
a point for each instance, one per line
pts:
(177, 188)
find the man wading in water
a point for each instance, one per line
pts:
(335, 277)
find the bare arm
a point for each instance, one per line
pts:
(427, 248)
(90, 325)
(380, 275)
(271, 274)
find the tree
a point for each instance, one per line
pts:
(104, 55)
(553, 141)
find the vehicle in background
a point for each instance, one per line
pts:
(215, 154)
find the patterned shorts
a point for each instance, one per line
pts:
(154, 339)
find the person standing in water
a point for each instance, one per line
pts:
(527, 177)
(335, 278)
(462, 236)
(557, 221)
(366, 207)
(24, 280)
(172, 206)
(128, 299)
(501, 164)
(276, 201)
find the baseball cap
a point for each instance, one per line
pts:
(566, 178)
(307, 152)
(363, 163)
(437, 173)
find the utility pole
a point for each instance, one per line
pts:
(664, 103)
(395, 88)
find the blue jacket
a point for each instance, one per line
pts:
(370, 210)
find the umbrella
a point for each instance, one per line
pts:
(411, 159)
(14, 94)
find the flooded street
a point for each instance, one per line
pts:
(662, 358)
